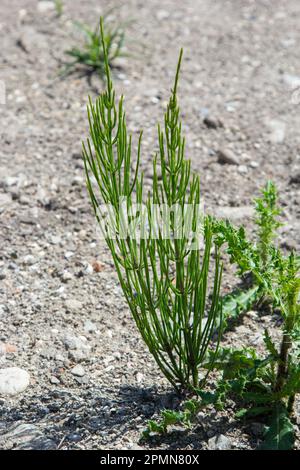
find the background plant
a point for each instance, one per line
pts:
(90, 54)
(164, 281)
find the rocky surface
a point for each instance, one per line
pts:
(23, 436)
(13, 380)
(93, 384)
(219, 442)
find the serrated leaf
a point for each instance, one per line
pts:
(153, 426)
(237, 303)
(191, 405)
(252, 412)
(241, 413)
(280, 434)
(207, 398)
(257, 397)
(171, 417)
(270, 345)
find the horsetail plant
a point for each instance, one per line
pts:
(164, 269)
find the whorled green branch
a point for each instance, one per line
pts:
(165, 279)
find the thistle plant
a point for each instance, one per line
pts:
(168, 418)
(90, 55)
(166, 276)
(258, 259)
(288, 372)
(267, 212)
(267, 384)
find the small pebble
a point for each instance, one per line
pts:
(226, 156)
(219, 442)
(73, 305)
(89, 326)
(78, 370)
(54, 380)
(45, 6)
(212, 123)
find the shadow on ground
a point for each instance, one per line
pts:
(100, 417)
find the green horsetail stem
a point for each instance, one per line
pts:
(165, 280)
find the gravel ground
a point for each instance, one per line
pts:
(62, 315)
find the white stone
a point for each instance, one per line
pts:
(78, 371)
(162, 15)
(89, 269)
(220, 442)
(55, 239)
(76, 342)
(11, 181)
(89, 326)
(13, 380)
(277, 131)
(242, 169)
(22, 14)
(293, 81)
(73, 305)
(66, 276)
(77, 180)
(54, 380)
(5, 199)
(79, 349)
(139, 377)
(45, 6)
(29, 260)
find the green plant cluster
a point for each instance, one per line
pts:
(90, 54)
(170, 418)
(266, 385)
